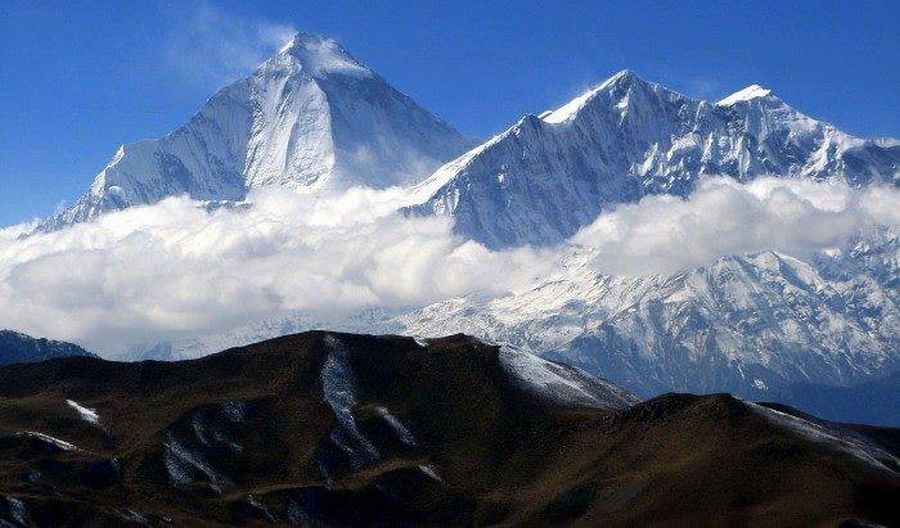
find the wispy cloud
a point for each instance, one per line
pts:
(212, 46)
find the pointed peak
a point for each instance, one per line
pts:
(625, 75)
(754, 91)
(321, 56)
(622, 80)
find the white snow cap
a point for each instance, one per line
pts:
(571, 109)
(321, 56)
(751, 92)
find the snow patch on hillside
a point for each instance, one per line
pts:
(88, 415)
(56, 442)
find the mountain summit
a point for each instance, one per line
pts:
(321, 57)
(550, 174)
(751, 92)
(310, 117)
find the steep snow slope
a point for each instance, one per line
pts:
(545, 177)
(311, 117)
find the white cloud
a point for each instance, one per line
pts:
(666, 233)
(173, 270)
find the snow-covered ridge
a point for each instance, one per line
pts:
(571, 109)
(545, 177)
(751, 92)
(833, 437)
(561, 384)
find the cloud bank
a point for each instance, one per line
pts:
(174, 269)
(663, 234)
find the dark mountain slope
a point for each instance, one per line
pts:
(20, 348)
(337, 429)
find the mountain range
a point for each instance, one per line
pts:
(762, 326)
(330, 429)
(550, 174)
(314, 118)
(747, 324)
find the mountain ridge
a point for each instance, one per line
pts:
(16, 347)
(325, 428)
(547, 175)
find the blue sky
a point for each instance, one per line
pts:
(80, 77)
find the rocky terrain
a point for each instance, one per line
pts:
(324, 428)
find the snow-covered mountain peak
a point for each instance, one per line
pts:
(311, 117)
(623, 81)
(754, 91)
(321, 56)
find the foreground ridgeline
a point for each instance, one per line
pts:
(337, 429)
